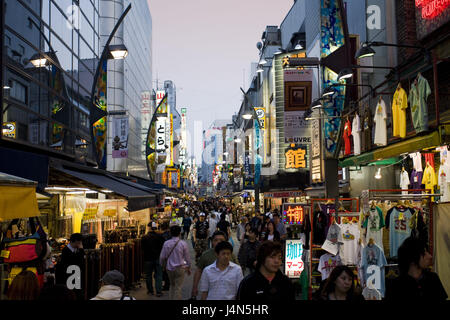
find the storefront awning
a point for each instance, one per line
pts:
(139, 197)
(17, 198)
(394, 150)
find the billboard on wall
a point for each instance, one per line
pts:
(296, 129)
(120, 137)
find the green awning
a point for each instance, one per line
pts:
(395, 150)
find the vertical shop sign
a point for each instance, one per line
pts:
(332, 38)
(248, 176)
(316, 153)
(293, 260)
(120, 138)
(100, 127)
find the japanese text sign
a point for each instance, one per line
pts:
(293, 213)
(293, 260)
(296, 158)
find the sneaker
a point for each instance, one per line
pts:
(159, 294)
(150, 292)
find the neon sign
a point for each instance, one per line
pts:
(432, 8)
(293, 214)
(294, 264)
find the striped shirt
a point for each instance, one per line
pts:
(221, 285)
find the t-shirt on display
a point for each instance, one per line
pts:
(327, 263)
(374, 224)
(398, 222)
(399, 106)
(356, 133)
(373, 255)
(380, 124)
(349, 249)
(404, 181)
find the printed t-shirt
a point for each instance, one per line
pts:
(417, 160)
(404, 181)
(346, 136)
(399, 106)
(380, 124)
(371, 294)
(334, 239)
(327, 263)
(201, 229)
(374, 224)
(443, 176)
(349, 249)
(418, 96)
(373, 255)
(356, 133)
(429, 178)
(416, 180)
(398, 222)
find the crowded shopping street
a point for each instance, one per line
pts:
(258, 156)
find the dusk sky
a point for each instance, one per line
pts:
(204, 46)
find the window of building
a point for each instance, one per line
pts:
(18, 91)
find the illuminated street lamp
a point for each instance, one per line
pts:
(38, 60)
(118, 51)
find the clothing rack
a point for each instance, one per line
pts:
(390, 194)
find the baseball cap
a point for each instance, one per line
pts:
(202, 214)
(113, 277)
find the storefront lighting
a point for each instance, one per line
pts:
(298, 46)
(316, 104)
(263, 61)
(118, 51)
(328, 92)
(365, 51)
(106, 191)
(378, 175)
(345, 74)
(38, 60)
(81, 192)
(260, 69)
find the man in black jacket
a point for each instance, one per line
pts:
(267, 283)
(152, 244)
(72, 255)
(248, 251)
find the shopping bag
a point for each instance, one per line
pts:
(16, 270)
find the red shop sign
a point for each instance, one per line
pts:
(432, 8)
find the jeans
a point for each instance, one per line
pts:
(185, 233)
(176, 278)
(149, 268)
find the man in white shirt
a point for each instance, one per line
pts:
(220, 280)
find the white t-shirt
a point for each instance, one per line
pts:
(404, 181)
(417, 160)
(374, 225)
(350, 237)
(443, 180)
(356, 133)
(371, 294)
(327, 263)
(380, 127)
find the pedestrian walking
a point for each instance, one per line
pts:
(340, 285)
(112, 287)
(212, 227)
(25, 286)
(165, 233)
(279, 226)
(176, 257)
(152, 244)
(220, 280)
(271, 234)
(201, 236)
(416, 282)
(247, 252)
(187, 221)
(208, 258)
(240, 232)
(267, 283)
(224, 225)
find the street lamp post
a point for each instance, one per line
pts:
(249, 114)
(97, 117)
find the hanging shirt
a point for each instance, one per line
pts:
(418, 96)
(380, 124)
(334, 239)
(349, 249)
(327, 263)
(429, 158)
(417, 160)
(398, 222)
(429, 178)
(374, 225)
(399, 106)
(320, 223)
(373, 255)
(346, 136)
(404, 181)
(416, 180)
(367, 131)
(443, 176)
(356, 133)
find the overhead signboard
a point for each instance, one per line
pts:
(294, 265)
(294, 213)
(296, 157)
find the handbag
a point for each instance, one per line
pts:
(25, 249)
(164, 261)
